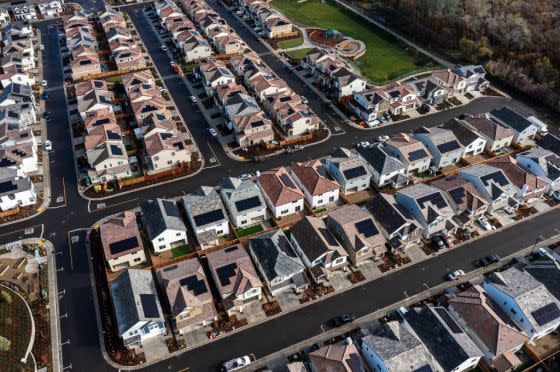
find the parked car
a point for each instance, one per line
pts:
(437, 242)
(44, 83)
(47, 116)
(236, 364)
(295, 148)
(485, 224)
(343, 319)
(245, 176)
(382, 119)
(172, 63)
(382, 138)
(448, 241)
(489, 260)
(304, 100)
(455, 275)
(363, 144)
(48, 145)
(41, 47)
(374, 123)
(556, 195)
(162, 90)
(164, 48)
(194, 99)
(213, 132)
(541, 252)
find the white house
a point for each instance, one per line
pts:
(542, 163)
(319, 189)
(473, 144)
(281, 193)
(244, 202)
(386, 169)
(523, 128)
(49, 8)
(15, 191)
(349, 170)
(164, 224)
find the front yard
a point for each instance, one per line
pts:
(242, 232)
(292, 43)
(298, 53)
(385, 58)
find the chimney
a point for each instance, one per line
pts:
(406, 137)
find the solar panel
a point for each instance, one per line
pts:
(231, 249)
(435, 198)
(197, 286)
(252, 202)
(546, 314)
(169, 268)
(448, 320)
(328, 236)
(367, 228)
(354, 172)
(225, 273)
(116, 150)
(208, 217)
(424, 368)
(113, 135)
(498, 177)
(287, 181)
(170, 208)
(417, 154)
(166, 135)
(123, 245)
(149, 305)
(448, 146)
(458, 194)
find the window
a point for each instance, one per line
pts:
(178, 234)
(162, 246)
(243, 222)
(137, 259)
(220, 232)
(284, 211)
(160, 240)
(298, 208)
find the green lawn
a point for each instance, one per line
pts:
(298, 53)
(248, 231)
(385, 58)
(181, 250)
(292, 43)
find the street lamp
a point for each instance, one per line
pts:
(535, 245)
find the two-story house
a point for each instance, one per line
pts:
(121, 241)
(522, 127)
(444, 146)
(163, 223)
(497, 137)
(370, 104)
(409, 151)
(542, 163)
(386, 170)
(319, 189)
(244, 202)
(473, 144)
(349, 170)
(280, 191)
(529, 185)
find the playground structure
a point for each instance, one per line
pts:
(331, 39)
(351, 48)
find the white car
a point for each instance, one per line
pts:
(172, 63)
(304, 100)
(194, 99)
(162, 90)
(239, 12)
(382, 138)
(41, 47)
(455, 275)
(164, 48)
(44, 83)
(364, 144)
(237, 363)
(485, 224)
(245, 176)
(48, 145)
(213, 132)
(374, 123)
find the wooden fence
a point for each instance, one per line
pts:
(10, 212)
(154, 177)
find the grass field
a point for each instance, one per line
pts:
(292, 43)
(298, 53)
(248, 231)
(385, 58)
(181, 250)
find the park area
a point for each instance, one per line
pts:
(385, 58)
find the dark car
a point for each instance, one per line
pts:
(343, 319)
(489, 260)
(47, 116)
(437, 242)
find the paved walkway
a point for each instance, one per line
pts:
(307, 44)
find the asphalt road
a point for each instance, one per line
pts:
(69, 218)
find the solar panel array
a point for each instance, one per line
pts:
(169, 268)
(245, 204)
(329, 238)
(225, 273)
(149, 305)
(448, 146)
(116, 150)
(113, 135)
(354, 172)
(123, 245)
(170, 208)
(287, 181)
(208, 217)
(367, 228)
(7, 186)
(498, 177)
(546, 314)
(197, 286)
(435, 198)
(417, 154)
(458, 194)
(448, 320)
(231, 249)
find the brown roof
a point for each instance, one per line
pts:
(85, 87)
(338, 358)
(517, 175)
(98, 117)
(279, 191)
(100, 134)
(144, 76)
(471, 199)
(313, 177)
(407, 144)
(119, 228)
(488, 127)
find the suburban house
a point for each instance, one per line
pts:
(493, 185)
(386, 170)
(358, 233)
(478, 315)
(137, 309)
(49, 8)
(340, 357)
(319, 189)
(497, 137)
(396, 224)
(547, 271)
(550, 142)
(392, 347)
(108, 162)
(4, 15)
(163, 223)
(409, 151)
(317, 247)
(195, 47)
(206, 215)
(281, 193)
(235, 277)
(449, 344)
(542, 163)
(276, 260)
(431, 91)
(85, 65)
(165, 150)
(526, 301)
(529, 185)
(129, 59)
(15, 191)
(188, 295)
(428, 207)
(244, 202)
(473, 144)
(241, 63)
(402, 98)
(442, 144)
(121, 241)
(467, 202)
(522, 127)
(474, 77)
(345, 83)
(296, 119)
(95, 100)
(214, 73)
(349, 170)
(370, 104)
(277, 26)
(24, 10)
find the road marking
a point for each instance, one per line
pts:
(101, 206)
(60, 198)
(405, 294)
(184, 369)
(70, 252)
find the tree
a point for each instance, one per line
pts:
(6, 297)
(4, 344)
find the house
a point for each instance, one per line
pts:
(370, 104)
(15, 191)
(467, 202)
(240, 63)
(206, 215)
(121, 241)
(431, 91)
(449, 344)
(85, 65)
(473, 144)
(165, 150)
(402, 98)
(235, 277)
(273, 102)
(129, 59)
(4, 15)
(526, 301)
(17, 94)
(550, 142)
(542, 163)
(319, 189)
(24, 10)
(349, 170)
(244, 202)
(522, 127)
(97, 118)
(137, 309)
(229, 44)
(529, 185)
(163, 223)
(393, 348)
(214, 73)
(196, 48)
(108, 162)
(95, 100)
(493, 185)
(254, 129)
(346, 83)
(340, 357)
(444, 146)
(281, 193)
(49, 8)
(131, 80)
(474, 77)
(488, 327)
(358, 233)
(386, 170)
(547, 271)
(297, 119)
(396, 224)
(409, 151)
(497, 137)
(276, 260)
(317, 247)
(188, 295)
(428, 207)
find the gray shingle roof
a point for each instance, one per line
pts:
(315, 239)
(236, 190)
(159, 215)
(380, 160)
(202, 201)
(390, 215)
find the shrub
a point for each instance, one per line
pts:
(4, 344)
(6, 297)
